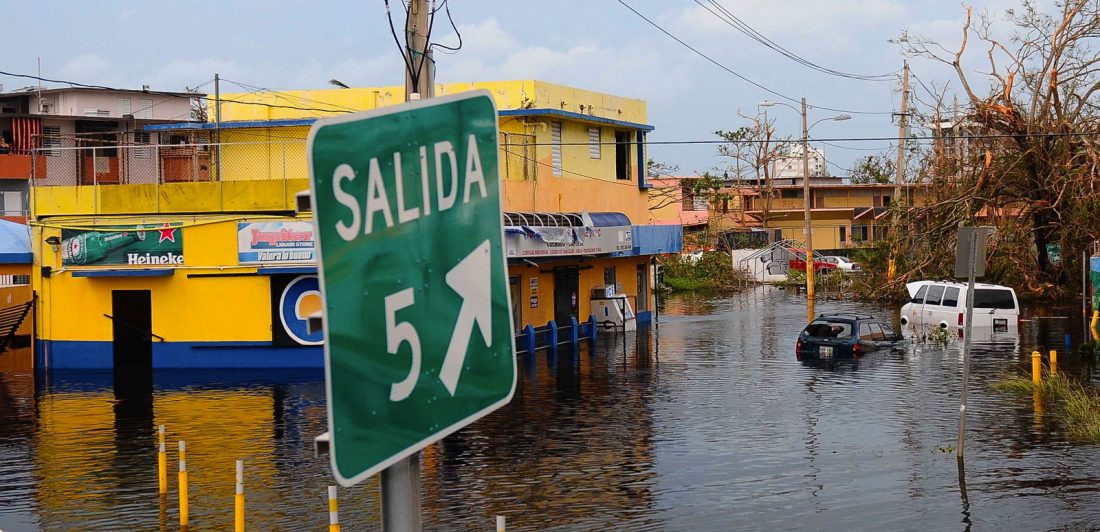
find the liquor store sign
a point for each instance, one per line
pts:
(138, 245)
(275, 242)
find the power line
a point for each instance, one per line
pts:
(293, 98)
(743, 78)
(188, 96)
(832, 139)
(526, 158)
(729, 18)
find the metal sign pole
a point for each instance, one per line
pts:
(401, 495)
(966, 341)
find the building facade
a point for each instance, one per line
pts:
(58, 124)
(200, 259)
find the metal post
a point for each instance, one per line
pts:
(806, 204)
(966, 342)
(1084, 296)
(401, 481)
(218, 128)
(401, 495)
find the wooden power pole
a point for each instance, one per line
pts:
(903, 133)
(421, 79)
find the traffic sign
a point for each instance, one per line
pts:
(417, 321)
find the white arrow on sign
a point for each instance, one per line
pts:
(470, 279)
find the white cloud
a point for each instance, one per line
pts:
(86, 67)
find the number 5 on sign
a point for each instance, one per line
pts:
(397, 334)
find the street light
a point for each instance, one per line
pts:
(806, 186)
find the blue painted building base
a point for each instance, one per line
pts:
(58, 354)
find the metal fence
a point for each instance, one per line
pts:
(69, 161)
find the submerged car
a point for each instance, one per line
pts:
(833, 336)
(942, 304)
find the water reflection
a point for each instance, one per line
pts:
(707, 423)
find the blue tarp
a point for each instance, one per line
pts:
(15, 243)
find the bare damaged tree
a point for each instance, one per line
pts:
(1025, 155)
(753, 150)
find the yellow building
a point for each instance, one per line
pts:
(196, 257)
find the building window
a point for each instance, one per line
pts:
(51, 138)
(593, 143)
(555, 149)
(145, 109)
(843, 233)
(124, 107)
(725, 205)
(622, 155)
(790, 193)
(141, 137)
(609, 275)
(13, 203)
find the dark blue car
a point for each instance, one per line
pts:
(837, 336)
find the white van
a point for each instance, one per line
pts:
(943, 304)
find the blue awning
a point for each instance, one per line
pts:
(15, 243)
(609, 219)
(125, 272)
(281, 270)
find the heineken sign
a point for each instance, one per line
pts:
(141, 245)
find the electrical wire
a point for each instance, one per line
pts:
(427, 47)
(729, 18)
(743, 78)
(397, 41)
(563, 170)
(292, 97)
(447, 9)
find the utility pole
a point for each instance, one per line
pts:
(218, 128)
(400, 484)
(421, 79)
(806, 205)
(899, 194)
(903, 133)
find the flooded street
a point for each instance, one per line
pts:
(707, 422)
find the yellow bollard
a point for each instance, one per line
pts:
(333, 516)
(1053, 362)
(238, 499)
(162, 465)
(500, 523)
(183, 484)
(1036, 368)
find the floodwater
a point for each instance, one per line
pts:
(707, 422)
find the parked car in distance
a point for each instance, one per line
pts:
(799, 264)
(943, 304)
(841, 263)
(834, 336)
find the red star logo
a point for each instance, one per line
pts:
(167, 232)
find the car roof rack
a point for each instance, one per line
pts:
(847, 315)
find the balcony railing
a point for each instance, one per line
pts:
(166, 178)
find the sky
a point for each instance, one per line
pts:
(595, 44)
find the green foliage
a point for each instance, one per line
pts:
(1088, 351)
(873, 169)
(713, 271)
(1078, 406)
(939, 335)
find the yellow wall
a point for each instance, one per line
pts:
(590, 277)
(229, 196)
(517, 94)
(184, 309)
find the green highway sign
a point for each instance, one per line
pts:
(417, 318)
